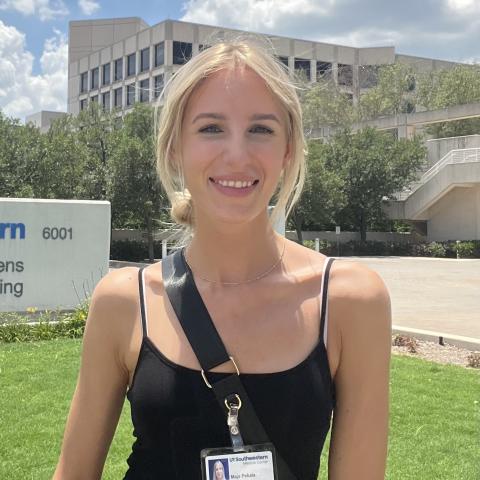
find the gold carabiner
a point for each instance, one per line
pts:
(207, 383)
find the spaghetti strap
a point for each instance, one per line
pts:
(141, 283)
(324, 296)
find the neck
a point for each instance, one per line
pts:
(230, 253)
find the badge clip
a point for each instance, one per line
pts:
(234, 404)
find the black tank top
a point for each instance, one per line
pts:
(175, 415)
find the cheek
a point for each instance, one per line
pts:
(198, 154)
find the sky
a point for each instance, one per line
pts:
(34, 33)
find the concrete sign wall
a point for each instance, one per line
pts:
(52, 252)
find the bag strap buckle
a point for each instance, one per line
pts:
(208, 384)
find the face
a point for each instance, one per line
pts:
(233, 147)
(219, 470)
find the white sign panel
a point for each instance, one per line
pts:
(52, 252)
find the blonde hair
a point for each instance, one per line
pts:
(227, 54)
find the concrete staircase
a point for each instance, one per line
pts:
(458, 168)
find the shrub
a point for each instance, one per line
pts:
(49, 325)
(473, 360)
(400, 340)
(465, 249)
(436, 249)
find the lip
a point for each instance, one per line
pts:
(226, 178)
(232, 191)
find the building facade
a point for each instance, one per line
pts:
(118, 62)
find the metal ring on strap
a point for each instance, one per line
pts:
(205, 377)
(230, 405)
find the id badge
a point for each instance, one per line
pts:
(256, 462)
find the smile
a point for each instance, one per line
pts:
(234, 183)
(234, 187)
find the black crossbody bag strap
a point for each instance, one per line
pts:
(210, 351)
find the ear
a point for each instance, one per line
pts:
(288, 155)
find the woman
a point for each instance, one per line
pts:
(219, 471)
(230, 137)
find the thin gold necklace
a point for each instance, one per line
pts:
(264, 274)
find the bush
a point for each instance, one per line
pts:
(465, 249)
(49, 325)
(133, 250)
(436, 249)
(448, 249)
(327, 248)
(473, 360)
(400, 340)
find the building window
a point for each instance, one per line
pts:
(117, 98)
(158, 85)
(324, 69)
(106, 74)
(106, 101)
(368, 76)
(94, 99)
(131, 67)
(130, 94)
(145, 59)
(83, 82)
(283, 60)
(118, 73)
(303, 65)
(345, 75)
(94, 79)
(83, 104)
(145, 90)
(182, 52)
(159, 54)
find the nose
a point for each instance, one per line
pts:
(236, 150)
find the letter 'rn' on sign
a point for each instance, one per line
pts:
(52, 252)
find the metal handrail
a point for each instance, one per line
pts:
(462, 155)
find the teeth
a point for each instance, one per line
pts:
(234, 184)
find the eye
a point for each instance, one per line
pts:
(210, 129)
(261, 129)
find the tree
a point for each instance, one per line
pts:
(324, 104)
(322, 195)
(444, 88)
(60, 172)
(96, 135)
(21, 151)
(372, 164)
(391, 94)
(134, 188)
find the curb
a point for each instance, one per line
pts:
(468, 343)
(121, 264)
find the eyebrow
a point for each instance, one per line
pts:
(219, 116)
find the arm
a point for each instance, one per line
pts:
(361, 306)
(102, 381)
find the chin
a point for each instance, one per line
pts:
(234, 217)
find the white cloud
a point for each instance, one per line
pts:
(45, 9)
(461, 5)
(88, 6)
(21, 92)
(252, 14)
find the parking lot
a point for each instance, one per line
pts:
(442, 295)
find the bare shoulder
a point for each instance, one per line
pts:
(360, 303)
(115, 297)
(355, 281)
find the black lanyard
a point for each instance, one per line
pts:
(210, 351)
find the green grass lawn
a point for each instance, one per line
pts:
(434, 416)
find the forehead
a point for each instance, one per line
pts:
(236, 90)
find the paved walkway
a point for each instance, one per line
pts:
(442, 295)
